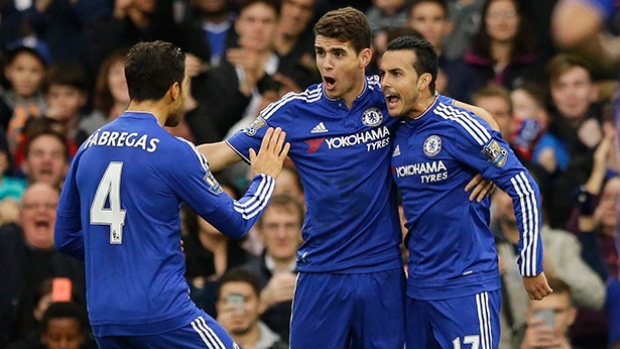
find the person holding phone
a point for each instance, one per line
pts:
(239, 306)
(550, 318)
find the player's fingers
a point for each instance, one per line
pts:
(252, 155)
(486, 191)
(474, 181)
(280, 142)
(284, 152)
(264, 146)
(276, 140)
(476, 192)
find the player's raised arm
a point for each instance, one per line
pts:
(266, 166)
(220, 155)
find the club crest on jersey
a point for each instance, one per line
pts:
(372, 117)
(432, 145)
(214, 186)
(496, 154)
(258, 123)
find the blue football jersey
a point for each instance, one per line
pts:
(452, 250)
(343, 159)
(119, 210)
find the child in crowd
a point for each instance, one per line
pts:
(24, 71)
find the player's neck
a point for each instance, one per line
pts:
(355, 91)
(154, 107)
(423, 103)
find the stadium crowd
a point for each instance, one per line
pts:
(63, 78)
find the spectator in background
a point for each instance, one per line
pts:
(585, 27)
(540, 333)
(279, 228)
(562, 260)
(503, 51)
(430, 19)
(496, 100)
(133, 21)
(294, 44)
(215, 19)
(64, 326)
(386, 14)
(597, 225)
(239, 307)
(11, 188)
(289, 183)
(110, 97)
(209, 254)
(28, 257)
(529, 102)
(55, 328)
(233, 90)
(25, 71)
(66, 93)
(46, 158)
(565, 150)
(466, 19)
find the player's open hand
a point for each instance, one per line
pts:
(537, 286)
(481, 188)
(272, 153)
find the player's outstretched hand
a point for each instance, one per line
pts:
(536, 286)
(272, 153)
(481, 188)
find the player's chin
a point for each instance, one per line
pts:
(395, 108)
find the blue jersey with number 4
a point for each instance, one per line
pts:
(342, 156)
(452, 250)
(119, 210)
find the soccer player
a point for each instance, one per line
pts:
(350, 289)
(119, 210)
(453, 288)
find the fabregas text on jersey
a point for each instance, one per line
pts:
(122, 139)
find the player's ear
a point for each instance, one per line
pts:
(175, 91)
(424, 81)
(365, 57)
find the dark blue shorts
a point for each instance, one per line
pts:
(463, 322)
(339, 311)
(201, 333)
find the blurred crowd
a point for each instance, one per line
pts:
(63, 78)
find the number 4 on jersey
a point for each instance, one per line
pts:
(109, 189)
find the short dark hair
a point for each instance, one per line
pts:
(66, 74)
(426, 61)
(442, 3)
(274, 4)
(34, 132)
(346, 25)
(151, 68)
(13, 53)
(240, 275)
(62, 310)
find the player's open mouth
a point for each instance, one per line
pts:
(392, 100)
(329, 82)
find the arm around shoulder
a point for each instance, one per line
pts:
(479, 112)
